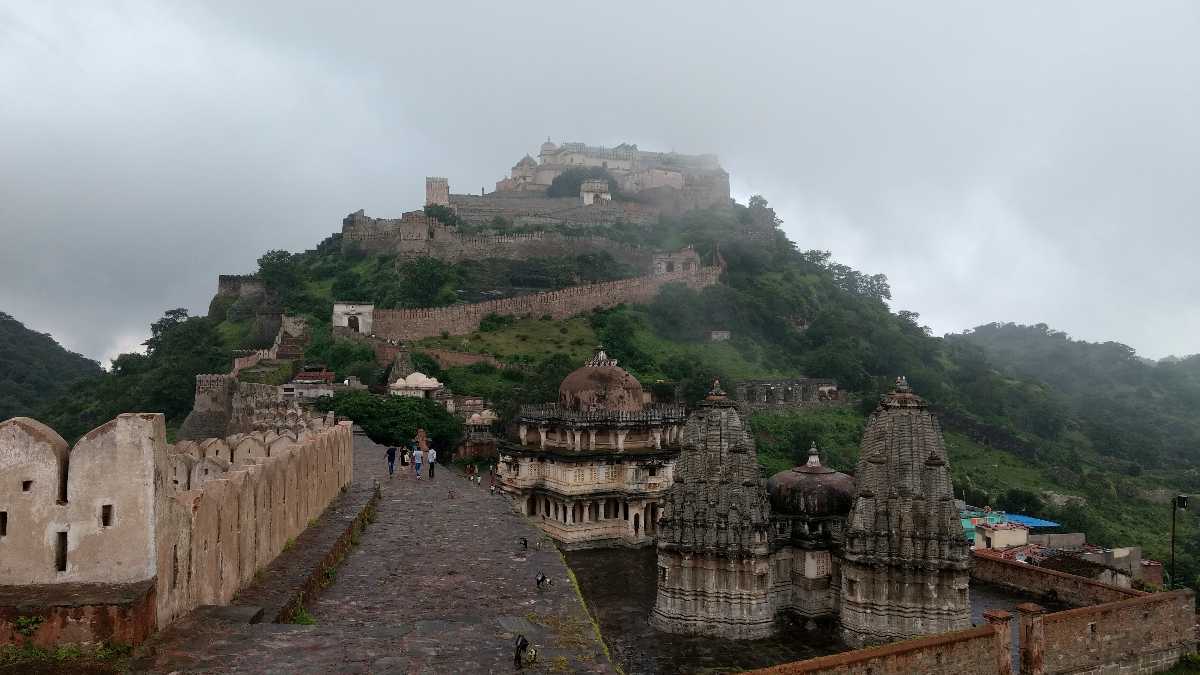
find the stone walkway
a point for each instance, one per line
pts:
(438, 584)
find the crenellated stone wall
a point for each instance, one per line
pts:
(416, 235)
(224, 406)
(414, 324)
(123, 507)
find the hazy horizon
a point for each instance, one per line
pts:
(998, 163)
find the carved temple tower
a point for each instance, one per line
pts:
(906, 564)
(713, 547)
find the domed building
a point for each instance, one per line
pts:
(592, 467)
(809, 504)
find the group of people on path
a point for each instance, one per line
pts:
(419, 451)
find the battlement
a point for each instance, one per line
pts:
(238, 285)
(197, 520)
(437, 191)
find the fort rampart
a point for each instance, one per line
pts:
(1114, 630)
(1146, 634)
(224, 406)
(414, 324)
(417, 235)
(984, 650)
(1050, 585)
(150, 530)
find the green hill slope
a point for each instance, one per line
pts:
(35, 369)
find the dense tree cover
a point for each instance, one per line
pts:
(343, 357)
(567, 183)
(394, 420)
(161, 380)
(507, 389)
(1124, 406)
(35, 369)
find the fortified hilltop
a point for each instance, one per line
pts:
(648, 185)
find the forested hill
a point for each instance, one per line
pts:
(1124, 406)
(35, 369)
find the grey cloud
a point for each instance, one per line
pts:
(1028, 163)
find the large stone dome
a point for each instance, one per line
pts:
(811, 490)
(600, 385)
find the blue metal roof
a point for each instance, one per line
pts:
(1031, 522)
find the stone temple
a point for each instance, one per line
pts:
(906, 564)
(714, 547)
(593, 467)
(884, 558)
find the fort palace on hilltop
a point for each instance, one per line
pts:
(648, 184)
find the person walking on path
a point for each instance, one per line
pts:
(391, 458)
(432, 461)
(418, 458)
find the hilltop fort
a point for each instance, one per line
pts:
(647, 184)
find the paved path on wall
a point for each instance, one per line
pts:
(438, 584)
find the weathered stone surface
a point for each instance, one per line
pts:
(84, 614)
(905, 561)
(714, 545)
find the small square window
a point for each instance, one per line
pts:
(26, 485)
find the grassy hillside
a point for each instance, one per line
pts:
(35, 369)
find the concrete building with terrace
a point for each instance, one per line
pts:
(592, 468)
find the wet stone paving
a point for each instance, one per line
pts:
(439, 583)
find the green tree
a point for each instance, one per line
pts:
(394, 420)
(567, 183)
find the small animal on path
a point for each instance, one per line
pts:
(543, 580)
(524, 544)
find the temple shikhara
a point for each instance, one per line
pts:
(885, 559)
(592, 468)
(906, 562)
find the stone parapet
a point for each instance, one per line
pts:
(1051, 586)
(80, 614)
(1146, 634)
(196, 520)
(974, 651)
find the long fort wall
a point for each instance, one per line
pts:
(417, 235)
(414, 324)
(181, 525)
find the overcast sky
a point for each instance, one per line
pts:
(1029, 162)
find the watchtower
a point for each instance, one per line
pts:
(437, 191)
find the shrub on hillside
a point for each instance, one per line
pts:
(566, 184)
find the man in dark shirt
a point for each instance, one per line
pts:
(391, 457)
